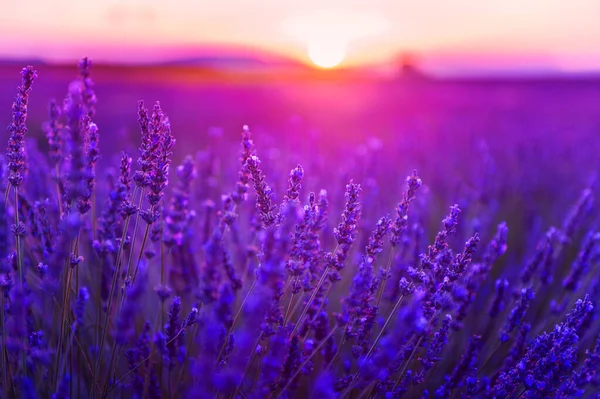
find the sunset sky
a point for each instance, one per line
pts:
(457, 34)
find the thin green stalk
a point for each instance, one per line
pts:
(299, 370)
(135, 229)
(235, 319)
(77, 355)
(63, 364)
(247, 368)
(115, 278)
(124, 296)
(85, 358)
(110, 365)
(58, 196)
(65, 306)
(20, 267)
(288, 309)
(187, 355)
(313, 295)
(3, 354)
(337, 352)
(162, 303)
(116, 384)
(381, 290)
(11, 383)
(144, 240)
(62, 322)
(94, 218)
(149, 368)
(312, 298)
(98, 308)
(387, 322)
(412, 354)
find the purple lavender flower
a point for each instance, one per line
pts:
(577, 213)
(91, 155)
(548, 360)
(264, 194)
(462, 370)
(151, 136)
(580, 266)
(543, 255)
(294, 184)
(437, 344)
(576, 385)
(516, 315)
(345, 232)
(89, 96)
(179, 216)
(413, 182)
(18, 128)
(125, 323)
(78, 124)
(53, 129)
(360, 310)
(159, 175)
(439, 246)
(82, 298)
(498, 303)
(171, 330)
(241, 190)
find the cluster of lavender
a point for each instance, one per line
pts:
(129, 282)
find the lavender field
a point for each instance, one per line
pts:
(175, 234)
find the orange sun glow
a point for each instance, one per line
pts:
(326, 53)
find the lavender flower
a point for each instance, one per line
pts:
(53, 129)
(264, 194)
(17, 129)
(345, 232)
(159, 175)
(89, 96)
(578, 269)
(294, 183)
(180, 216)
(171, 330)
(498, 303)
(461, 370)
(516, 315)
(576, 385)
(82, 298)
(413, 183)
(241, 190)
(91, 155)
(440, 339)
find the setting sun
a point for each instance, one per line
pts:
(326, 54)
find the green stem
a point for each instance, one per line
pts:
(3, 354)
(235, 319)
(387, 322)
(299, 370)
(247, 368)
(187, 355)
(309, 303)
(20, 267)
(381, 290)
(62, 323)
(116, 384)
(115, 278)
(135, 228)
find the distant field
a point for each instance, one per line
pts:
(542, 135)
